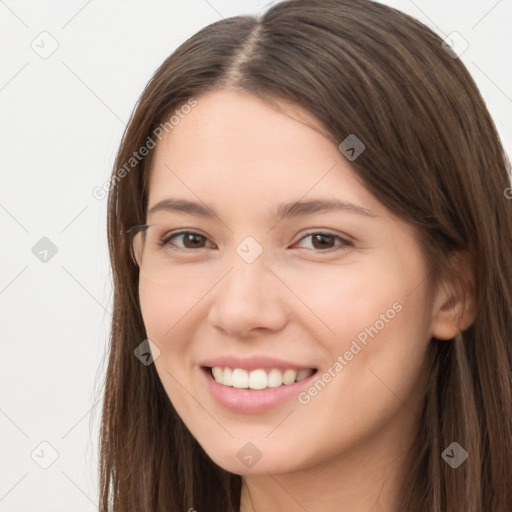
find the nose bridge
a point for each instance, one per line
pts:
(246, 297)
(249, 276)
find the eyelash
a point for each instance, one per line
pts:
(343, 246)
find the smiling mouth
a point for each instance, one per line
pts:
(259, 378)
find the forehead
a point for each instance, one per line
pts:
(235, 148)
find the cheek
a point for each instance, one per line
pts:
(377, 342)
(346, 299)
(158, 308)
(374, 317)
(167, 308)
(165, 312)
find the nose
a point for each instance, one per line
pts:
(249, 297)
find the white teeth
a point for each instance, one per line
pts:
(274, 378)
(289, 376)
(258, 379)
(240, 378)
(217, 373)
(302, 374)
(227, 378)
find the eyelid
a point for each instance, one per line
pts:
(324, 231)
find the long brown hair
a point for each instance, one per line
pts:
(432, 156)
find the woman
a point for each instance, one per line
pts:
(310, 239)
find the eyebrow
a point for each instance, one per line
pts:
(294, 209)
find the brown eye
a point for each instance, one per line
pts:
(323, 241)
(326, 241)
(190, 240)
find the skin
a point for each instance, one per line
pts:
(241, 156)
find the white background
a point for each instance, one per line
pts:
(62, 120)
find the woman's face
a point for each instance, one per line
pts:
(340, 291)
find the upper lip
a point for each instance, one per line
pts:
(253, 363)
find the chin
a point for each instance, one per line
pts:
(256, 457)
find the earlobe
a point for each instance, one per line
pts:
(454, 309)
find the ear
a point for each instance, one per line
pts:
(454, 307)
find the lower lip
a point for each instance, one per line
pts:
(252, 400)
